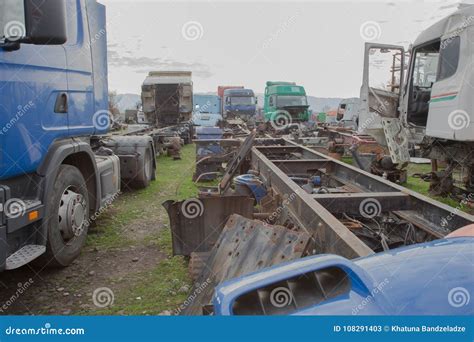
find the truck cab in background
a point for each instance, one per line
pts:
(58, 166)
(240, 103)
(207, 110)
(348, 113)
(427, 101)
(285, 103)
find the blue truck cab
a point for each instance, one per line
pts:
(433, 278)
(240, 103)
(207, 110)
(57, 166)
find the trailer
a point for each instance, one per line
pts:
(167, 99)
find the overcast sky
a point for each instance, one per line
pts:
(318, 44)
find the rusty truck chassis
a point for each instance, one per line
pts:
(333, 218)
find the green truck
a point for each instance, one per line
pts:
(285, 103)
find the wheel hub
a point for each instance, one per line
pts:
(72, 214)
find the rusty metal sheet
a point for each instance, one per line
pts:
(244, 246)
(196, 223)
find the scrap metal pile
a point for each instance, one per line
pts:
(279, 201)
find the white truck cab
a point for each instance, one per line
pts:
(428, 101)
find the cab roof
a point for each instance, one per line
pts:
(451, 25)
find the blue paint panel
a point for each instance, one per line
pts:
(98, 49)
(32, 78)
(413, 280)
(78, 54)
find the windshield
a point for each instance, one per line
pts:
(290, 101)
(242, 101)
(12, 19)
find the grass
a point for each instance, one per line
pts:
(156, 290)
(422, 187)
(173, 181)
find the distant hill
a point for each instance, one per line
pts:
(317, 104)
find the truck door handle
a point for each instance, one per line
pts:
(61, 105)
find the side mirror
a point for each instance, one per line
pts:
(45, 22)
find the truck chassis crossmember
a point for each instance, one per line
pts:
(349, 202)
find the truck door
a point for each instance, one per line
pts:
(33, 85)
(379, 115)
(80, 84)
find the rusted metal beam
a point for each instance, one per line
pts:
(330, 235)
(353, 202)
(305, 166)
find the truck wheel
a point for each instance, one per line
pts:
(145, 172)
(67, 213)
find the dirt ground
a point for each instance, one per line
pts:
(126, 267)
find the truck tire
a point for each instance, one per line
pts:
(67, 215)
(145, 173)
